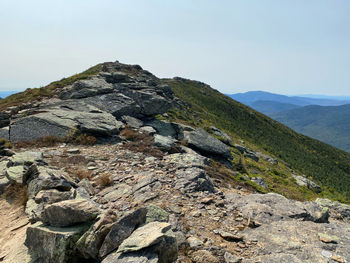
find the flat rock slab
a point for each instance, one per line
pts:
(52, 244)
(266, 208)
(299, 241)
(59, 123)
(70, 212)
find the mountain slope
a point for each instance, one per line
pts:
(324, 163)
(328, 124)
(198, 105)
(269, 107)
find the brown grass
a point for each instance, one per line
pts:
(140, 142)
(49, 141)
(104, 180)
(46, 141)
(79, 173)
(16, 194)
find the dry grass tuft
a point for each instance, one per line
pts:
(104, 180)
(79, 173)
(140, 142)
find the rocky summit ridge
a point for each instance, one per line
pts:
(150, 190)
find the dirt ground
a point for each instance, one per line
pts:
(13, 226)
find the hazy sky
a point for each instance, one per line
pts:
(284, 46)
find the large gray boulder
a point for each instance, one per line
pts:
(207, 144)
(122, 229)
(116, 104)
(150, 102)
(70, 212)
(192, 180)
(53, 244)
(163, 142)
(59, 123)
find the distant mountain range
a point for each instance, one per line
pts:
(4, 94)
(321, 117)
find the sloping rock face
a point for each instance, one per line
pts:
(94, 105)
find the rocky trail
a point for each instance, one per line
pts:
(145, 190)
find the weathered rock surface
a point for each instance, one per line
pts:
(163, 142)
(155, 236)
(298, 241)
(90, 243)
(207, 144)
(266, 208)
(192, 180)
(122, 229)
(223, 136)
(59, 123)
(70, 212)
(337, 210)
(53, 244)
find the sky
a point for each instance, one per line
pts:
(280, 46)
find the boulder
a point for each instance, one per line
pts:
(53, 244)
(148, 130)
(27, 158)
(187, 160)
(222, 136)
(155, 213)
(59, 123)
(48, 178)
(163, 142)
(207, 144)
(19, 174)
(90, 243)
(53, 196)
(163, 128)
(157, 237)
(122, 229)
(302, 181)
(149, 101)
(192, 180)
(116, 104)
(70, 212)
(132, 122)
